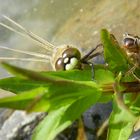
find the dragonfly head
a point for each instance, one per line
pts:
(66, 58)
(131, 43)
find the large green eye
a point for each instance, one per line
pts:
(71, 52)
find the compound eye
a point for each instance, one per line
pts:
(71, 52)
(129, 42)
(59, 65)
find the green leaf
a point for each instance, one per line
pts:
(103, 76)
(23, 100)
(58, 120)
(18, 85)
(46, 130)
(71, 74)
(55, 96)
(63, 93)
(135, 105)
(120, 131)
(121, 123)
(27, 74)
(60, 92)
(113, 54)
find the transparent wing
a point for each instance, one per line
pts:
(33, 56)
(21, 55)
(26, 33)
(25, 59)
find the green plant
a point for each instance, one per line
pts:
(65, 95)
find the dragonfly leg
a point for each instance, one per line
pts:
(131, 71)
(89, 55)
(92, 71)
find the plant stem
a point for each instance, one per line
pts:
(127, 87)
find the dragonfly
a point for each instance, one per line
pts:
(131, 45)
(63, 57)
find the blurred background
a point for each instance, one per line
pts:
(76, 22)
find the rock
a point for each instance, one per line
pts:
(20, 125)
